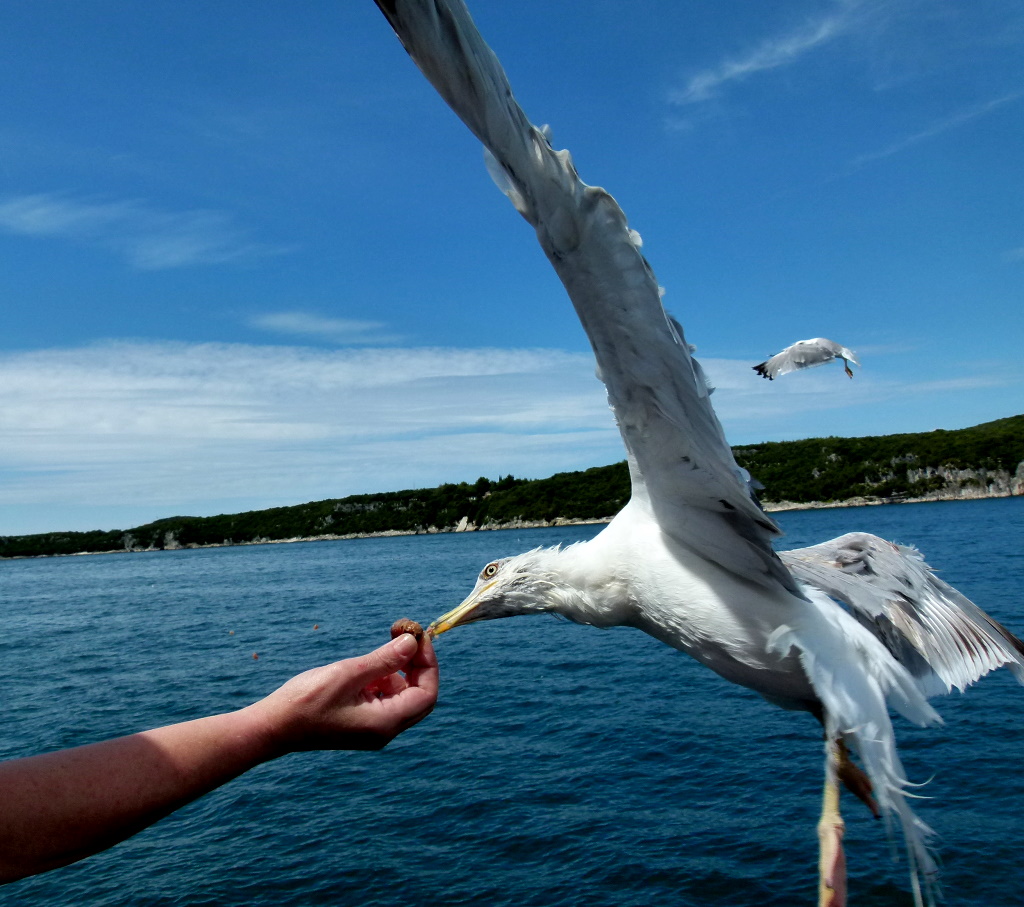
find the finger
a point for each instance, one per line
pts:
(390, 657)
(423, 672)
(413, 704)
(389, 685)
(426, 656)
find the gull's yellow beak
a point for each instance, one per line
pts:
(459, 614)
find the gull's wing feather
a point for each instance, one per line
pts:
(804, 354)
(941, 636)
(680, 463)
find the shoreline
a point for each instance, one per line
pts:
(465, 526)
(782, 506)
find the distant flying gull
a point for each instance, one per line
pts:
(806, 354)
(689, 559)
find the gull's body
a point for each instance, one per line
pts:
(806, 354)
(680, 599)
(689, 560)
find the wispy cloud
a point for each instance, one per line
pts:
(179, 426)
(150, 239)
(772, 53)
(336, 330)
(953, 121)
(200, 428)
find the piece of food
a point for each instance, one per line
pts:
(406, 626)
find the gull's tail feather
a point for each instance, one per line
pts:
(943, 638)
(856, 680)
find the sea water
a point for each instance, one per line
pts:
(563, 765)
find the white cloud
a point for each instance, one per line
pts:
(772, 53)
(337, 330)
(178, 426)
(135, 431)
(150, 239)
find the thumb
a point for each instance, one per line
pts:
(390, 657)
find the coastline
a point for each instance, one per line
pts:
(780, 506)
(465, 526)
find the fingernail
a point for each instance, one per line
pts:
(405, 645)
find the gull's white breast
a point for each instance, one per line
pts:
(637, 575)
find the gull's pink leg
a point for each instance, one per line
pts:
(831, 859)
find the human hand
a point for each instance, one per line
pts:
(357, 704)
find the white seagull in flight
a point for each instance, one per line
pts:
(689, 559)
(806, 354)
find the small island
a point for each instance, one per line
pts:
(983, 461)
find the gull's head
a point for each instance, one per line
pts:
(524, 584)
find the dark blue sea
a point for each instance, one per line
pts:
(563, 766)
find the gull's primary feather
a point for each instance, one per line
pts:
(676, 446)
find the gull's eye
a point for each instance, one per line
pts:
(489, 570)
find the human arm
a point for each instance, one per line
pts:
(62, 806)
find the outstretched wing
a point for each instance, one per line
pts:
(804, 354)
(941, 636)
(679, 460)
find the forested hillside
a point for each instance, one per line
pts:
(592, 494)
(939, 463)
(985, 460)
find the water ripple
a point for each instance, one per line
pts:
(621, 774)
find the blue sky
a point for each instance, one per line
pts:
(248, 258)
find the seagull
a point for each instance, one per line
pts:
(843, 630)
(806, 354)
